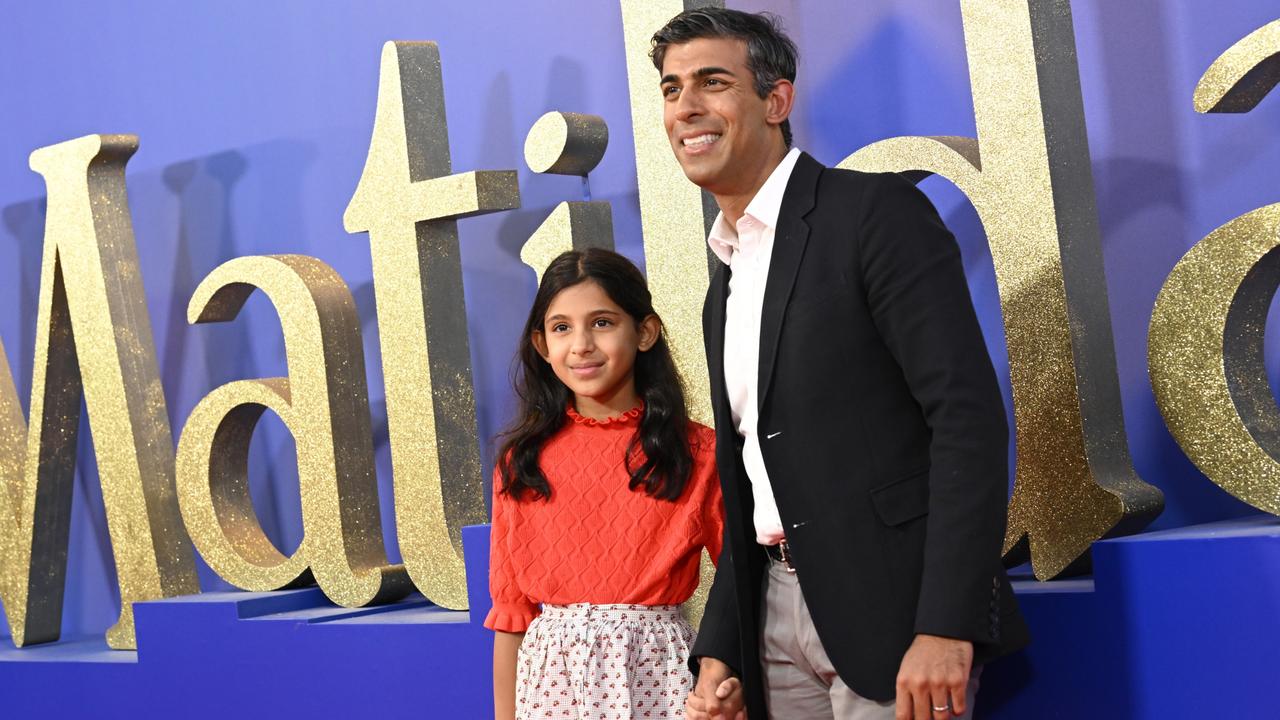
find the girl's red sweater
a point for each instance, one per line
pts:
(597, 541)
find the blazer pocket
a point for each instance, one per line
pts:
(904, 499)
(823, 299)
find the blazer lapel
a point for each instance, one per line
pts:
(789, 241)
(717, 296)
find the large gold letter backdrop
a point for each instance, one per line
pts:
(1027, 175)
(1205, 346)
(409, 202)
(93, 336)
(325, 405)
(674, 213)
(567, 144)
(1238, 80)
(674, 218)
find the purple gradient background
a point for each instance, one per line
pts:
(255, 119)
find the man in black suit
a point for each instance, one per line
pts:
(861, 436)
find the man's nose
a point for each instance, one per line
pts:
(688, 106)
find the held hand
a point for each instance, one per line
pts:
(717, 695)
(934, 674)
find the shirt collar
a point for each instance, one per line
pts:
(764, 208)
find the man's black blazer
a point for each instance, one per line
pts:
(882, 430)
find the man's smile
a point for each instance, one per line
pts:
(698, 144)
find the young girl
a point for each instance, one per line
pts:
(605, 494)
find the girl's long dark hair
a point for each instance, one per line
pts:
(658, 458)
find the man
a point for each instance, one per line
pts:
(861, 436)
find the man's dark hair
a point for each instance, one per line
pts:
(771, 55)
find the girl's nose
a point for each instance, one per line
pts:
(583, 343)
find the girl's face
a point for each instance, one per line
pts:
(591, 345)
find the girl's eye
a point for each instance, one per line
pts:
(559, 327)
(602, 322)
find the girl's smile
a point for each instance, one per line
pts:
(587, 370)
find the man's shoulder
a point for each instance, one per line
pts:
(827, 180)
(846, 178)
(857, 191)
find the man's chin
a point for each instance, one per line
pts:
(698, 173)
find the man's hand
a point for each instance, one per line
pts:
(717, 695)
(934, 674)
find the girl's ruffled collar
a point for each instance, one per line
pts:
(629, 417)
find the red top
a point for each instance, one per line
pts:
(597, 541)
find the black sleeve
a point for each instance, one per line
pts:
(920, 303)
(718, 635)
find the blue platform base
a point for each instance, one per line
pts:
(1177, 624)
(1183, 623)
(257, 655)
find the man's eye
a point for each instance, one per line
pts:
(670, 91)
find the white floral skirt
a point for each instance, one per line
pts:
(604, 662)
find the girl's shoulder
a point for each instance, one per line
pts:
(702, 439)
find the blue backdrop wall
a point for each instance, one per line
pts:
(254, 121)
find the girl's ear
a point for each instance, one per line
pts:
(539, 341)
(650, 329)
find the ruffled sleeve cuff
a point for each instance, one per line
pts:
(511, 617)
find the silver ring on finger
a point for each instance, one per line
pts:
(941, 708)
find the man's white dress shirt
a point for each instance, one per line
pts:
(746, 249)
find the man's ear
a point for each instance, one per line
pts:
(650, 330)
(539, 341)
(779, 102)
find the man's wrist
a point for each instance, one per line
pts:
(947, 638)
(706, 662)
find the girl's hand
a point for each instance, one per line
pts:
(717, 695)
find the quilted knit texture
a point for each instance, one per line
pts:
(597, 541)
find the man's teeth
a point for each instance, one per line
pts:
(701, 140)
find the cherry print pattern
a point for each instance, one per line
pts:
(604, 662)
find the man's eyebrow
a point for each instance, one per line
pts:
(699, 73)
(712, 70)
